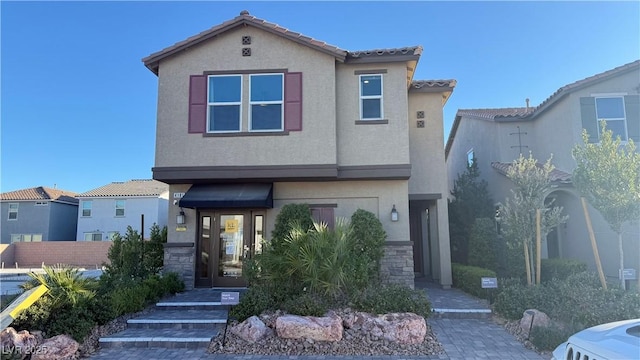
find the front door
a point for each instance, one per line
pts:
(225, 240)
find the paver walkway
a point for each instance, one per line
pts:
(463, 339)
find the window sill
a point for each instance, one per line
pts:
(246, 133)
(372, 122)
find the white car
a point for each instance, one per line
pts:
(613, 341)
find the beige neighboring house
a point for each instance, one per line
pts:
(495, 137)
(253, 116)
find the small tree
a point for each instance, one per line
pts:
(482, 244)
(608, 176)
(532, 185)
(471, 200)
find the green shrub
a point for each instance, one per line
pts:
(548, 338)
(129, 299)
(514, 298)
(469, 279)
(289, 216)
(171, 283)
(482, 247)
(307, 304)
(66, 284)
(253, 302)
(390, 298)
(368, 246)
(560, 269)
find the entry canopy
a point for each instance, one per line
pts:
(219, 196)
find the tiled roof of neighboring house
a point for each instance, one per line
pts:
(40, 193)
(530, 113)
(245, 19)
(556, 176)
(144, 187)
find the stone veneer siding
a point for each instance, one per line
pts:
(180, 258)
(397, 263)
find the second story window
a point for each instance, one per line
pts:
(266, 101)
(470, 158)
(225, 103)
(13, 211)
(86, 208)
(611, 109)
(120, 208)
(371, 97)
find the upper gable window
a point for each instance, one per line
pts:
(266, 101)
(86, 208)
(371, 97)
(120, 204)
(611, 109)
(225, 103)
(13, 211)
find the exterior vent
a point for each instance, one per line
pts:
(420, 114)
(246, 40)
(246, 51)
(420, 123)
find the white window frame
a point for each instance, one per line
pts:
(251, 103)
(26, 238)
(110, 235)
(470, 160)
(13, 209)
(16, 238)
(365, 97)
(36, 237)
(89, 208)
(623, 119)
(123, 207)
(91, 235)
(213, 103)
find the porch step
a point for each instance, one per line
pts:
(180, 319)
(164, 338)
(444, 313)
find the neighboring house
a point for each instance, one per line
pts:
(495, 137)
(111, 208)
(252, 116)
(38, 214)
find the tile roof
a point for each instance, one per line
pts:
(399, 54)
(422, 84)
(495, 114)
(40, 193)
(556, 175)
(144, 187)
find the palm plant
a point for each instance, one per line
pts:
(66, 284)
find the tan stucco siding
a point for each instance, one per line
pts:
(316, 144)
(377, 197)
(428, 170)
(372, 144)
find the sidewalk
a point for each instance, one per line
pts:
(463, 339)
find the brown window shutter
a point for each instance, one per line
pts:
(324, 215)
(197, 104)
(293, 101)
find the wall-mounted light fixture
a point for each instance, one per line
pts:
(180, 218)
(394, 213)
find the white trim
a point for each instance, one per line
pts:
(608, 120)
(473, 155)
(14, 211)
(90, 202)
(233, 103)
(123, 208)
(366, 97)
(281, 102)
(608, 94)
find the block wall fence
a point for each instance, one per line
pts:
(76, 253)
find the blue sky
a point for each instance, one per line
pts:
(78, 107)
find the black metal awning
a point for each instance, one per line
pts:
(219, 196)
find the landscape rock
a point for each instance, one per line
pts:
(401, 328)
(532, 318)
(327, 328)
(19, 343)
(60, 347)
(251, 330)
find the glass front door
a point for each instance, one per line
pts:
(225, 240)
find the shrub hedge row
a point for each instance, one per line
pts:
(469, 279)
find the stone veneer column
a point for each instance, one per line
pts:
(180, 258)
(397, 263)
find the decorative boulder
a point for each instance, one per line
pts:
(60, 347)
(251, 330)
(309, 327)
(19, 343)
(532, 318)
(402, 328)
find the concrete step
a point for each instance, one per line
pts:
(180, 319)
(163, 338)
(446, 313)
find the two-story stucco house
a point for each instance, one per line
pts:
(495, 137)
(38, 214)
(253, 116)
(112, 207)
